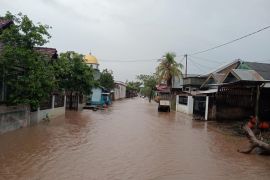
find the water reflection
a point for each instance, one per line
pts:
(131, 140)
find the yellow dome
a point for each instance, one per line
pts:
(90, 59)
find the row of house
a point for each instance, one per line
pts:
(14, 117)
(101, 96)
(234, 91)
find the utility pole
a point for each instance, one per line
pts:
(186, 65)
(257, 105)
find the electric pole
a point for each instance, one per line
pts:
(186, 65)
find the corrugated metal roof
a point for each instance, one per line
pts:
(233, 64)
(247, 75)
(219, 77)
(262, 68)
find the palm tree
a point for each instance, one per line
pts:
(168, 68)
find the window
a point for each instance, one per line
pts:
(183, 100)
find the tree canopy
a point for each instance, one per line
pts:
(32, 76)
(72, 74)
(149, 84)
(133, 85)
(107, 79)
(168, 68)
(27, 73)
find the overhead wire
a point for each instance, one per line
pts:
(134, 60)
(198, 66)
(230, 42)
(205, 59)
(192, 54)
(127, 61)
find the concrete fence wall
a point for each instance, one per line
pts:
(53, 112)
(13, 117)
(188, 108)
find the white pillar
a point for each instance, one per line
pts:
(177, 102)
(206, 108)
(65, 101)
(190, 104)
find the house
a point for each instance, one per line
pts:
(183, 89)
(99, 96)
(11, 117)
(217, 76)
(188, 83)
(232, 90)
(193, 82)
(14, 117)
(204, 105)
(243, 90)
(261, 68)
(119, 90)
(55, 105)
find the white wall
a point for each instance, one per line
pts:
(188, 109)
(39, 115)
(96, 94)
(119, 92)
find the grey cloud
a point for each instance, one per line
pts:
(128, 29)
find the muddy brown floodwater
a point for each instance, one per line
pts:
(130, 140)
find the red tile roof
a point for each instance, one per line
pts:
(4, 23)
(51, 52)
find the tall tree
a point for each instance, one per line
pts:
(149, 82)
(133, 85)
(73, 75)
(28, 74)
(168, 68)
(107, 79)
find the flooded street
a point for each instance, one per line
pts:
(130, 140)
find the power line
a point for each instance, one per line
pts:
(232, 41)
(205, 59)
(127, 61)
(134, 60)
(200, 64)
(182, 59)
(196, 65)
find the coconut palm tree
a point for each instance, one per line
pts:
(168, 68)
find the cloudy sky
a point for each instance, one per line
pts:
(127, 36)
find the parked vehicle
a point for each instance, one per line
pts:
(164, 102)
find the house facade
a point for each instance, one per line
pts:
(119, 90)
(183, 89)
(99, 96)
(205, 98)
(231, 91)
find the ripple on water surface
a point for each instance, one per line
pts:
(130, 140)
